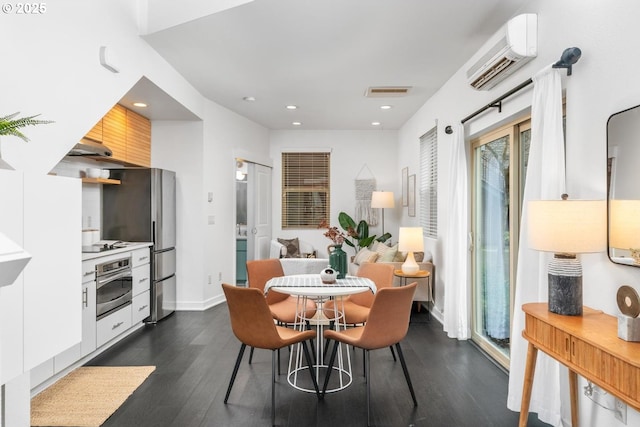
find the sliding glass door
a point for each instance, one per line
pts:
(499, 166)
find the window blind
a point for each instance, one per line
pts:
(305, 189)
(429, 183)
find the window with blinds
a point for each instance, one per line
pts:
(429, 183)
(305, 189)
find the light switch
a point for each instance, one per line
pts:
(210, 197)
(212, 219)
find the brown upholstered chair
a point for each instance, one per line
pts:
(282, 306)
(387, 325)
(356, 307)
(253, 325)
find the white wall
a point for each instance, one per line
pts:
(604, 81)
(350, 152)
(203, 156)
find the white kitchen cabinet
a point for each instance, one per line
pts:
(52, 235)
(141, 307)
(11, 298)
(113, 325)
(89, 342)
(141, 279)
(140, 257)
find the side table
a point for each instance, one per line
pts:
(420, 274)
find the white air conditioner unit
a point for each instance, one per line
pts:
(516, 45)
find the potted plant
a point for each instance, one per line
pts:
(11, 125)
(358, 234)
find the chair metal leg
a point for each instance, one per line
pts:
(311, 370)
(251, 355)
(278, 361)
(329, 369)
(393, 353)
(364, 363)
(235, 371)
(366, 375)
(406, 374)
(273, 387)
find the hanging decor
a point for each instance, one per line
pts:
(364, 189)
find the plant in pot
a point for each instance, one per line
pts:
(11, 125)
(358, 234)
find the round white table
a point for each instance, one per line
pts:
(306, 286)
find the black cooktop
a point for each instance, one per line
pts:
(95, 248)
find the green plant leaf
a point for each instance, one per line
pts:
(10, 126)
(363, 230)
(346, 221)
(366, 241)
(384, 237)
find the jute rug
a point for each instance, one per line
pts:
(87, 396)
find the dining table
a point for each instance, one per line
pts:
(310, 286)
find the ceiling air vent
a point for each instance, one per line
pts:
(387, 91)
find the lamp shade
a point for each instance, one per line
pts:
(624, 224)
(382, 199)
(410, 239)
(567, 226)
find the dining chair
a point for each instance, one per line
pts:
(253, 325)
(356, 307)
(386, 326)
(283, 307)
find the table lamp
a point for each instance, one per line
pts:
(410, 240)
(382, 200)
(566, 228)
(624, 226)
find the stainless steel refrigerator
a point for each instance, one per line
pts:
(143, 209)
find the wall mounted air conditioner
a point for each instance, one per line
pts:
(517, 44)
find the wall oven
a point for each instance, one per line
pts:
(114, 282)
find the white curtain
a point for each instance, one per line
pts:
(545, 180)
(456, 296)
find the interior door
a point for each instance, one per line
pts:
(258, 211)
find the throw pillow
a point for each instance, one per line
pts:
(293, 247)
(389, 255)
(402, 256)
(365, 255)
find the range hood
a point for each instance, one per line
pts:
(87, 147)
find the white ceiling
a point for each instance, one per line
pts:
(322, 55)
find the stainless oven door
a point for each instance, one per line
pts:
(113, 291)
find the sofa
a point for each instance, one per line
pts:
(381, 253)
(297, 256)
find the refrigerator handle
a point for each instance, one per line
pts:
(153, 232)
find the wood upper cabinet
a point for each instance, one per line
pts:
(138, 139)
(114, 132)
(127, 134)
(95, 133)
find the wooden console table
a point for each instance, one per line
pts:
(589, 346)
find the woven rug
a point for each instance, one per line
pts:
(87, 396)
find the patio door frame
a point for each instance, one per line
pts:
(516, 192)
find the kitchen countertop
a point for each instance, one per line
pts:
(130, 246)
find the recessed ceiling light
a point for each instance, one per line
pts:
(375, 123)
(386, 107)
(292, 107)
(249, 98)
(139, 104)
(297, 123)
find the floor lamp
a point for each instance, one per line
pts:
(382, 200)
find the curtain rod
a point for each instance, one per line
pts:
(497, 103)
(569, 57)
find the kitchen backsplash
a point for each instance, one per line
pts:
(91, 193)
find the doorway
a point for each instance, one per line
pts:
(253, 214)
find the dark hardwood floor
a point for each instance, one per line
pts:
(194, 354)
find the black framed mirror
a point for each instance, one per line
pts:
(623, 186)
